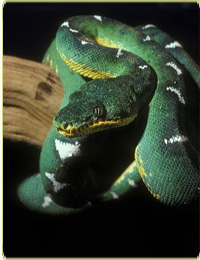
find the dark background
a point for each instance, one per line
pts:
(138, 226)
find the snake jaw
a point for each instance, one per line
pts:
(95, 126)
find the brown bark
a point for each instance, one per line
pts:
(32, 94)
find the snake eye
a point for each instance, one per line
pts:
(98, 111)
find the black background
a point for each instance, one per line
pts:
(135, 227)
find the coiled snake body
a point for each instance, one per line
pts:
(126, 67)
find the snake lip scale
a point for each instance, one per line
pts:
(95, 126)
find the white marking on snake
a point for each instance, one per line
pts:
(84, 42)
(119, 52)
(47, 201)
(173, 45)
(98, 17)
(174, 66)
(131, 183)
(148, 26)
(143, 67)
(178, 93)
(65, 24)
(66, 150)
(148, 38)
(56, 185)
(115, 196)
(177, 138)
(72, 30)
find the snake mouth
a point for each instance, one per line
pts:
(93, 127)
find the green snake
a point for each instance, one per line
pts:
(109, 72)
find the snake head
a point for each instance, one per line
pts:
(98, 105)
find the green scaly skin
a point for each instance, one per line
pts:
(124, 77)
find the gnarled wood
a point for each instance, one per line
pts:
(32, 94)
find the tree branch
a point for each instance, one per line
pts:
(32, 95)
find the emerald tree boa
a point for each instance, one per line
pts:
(109, 72)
